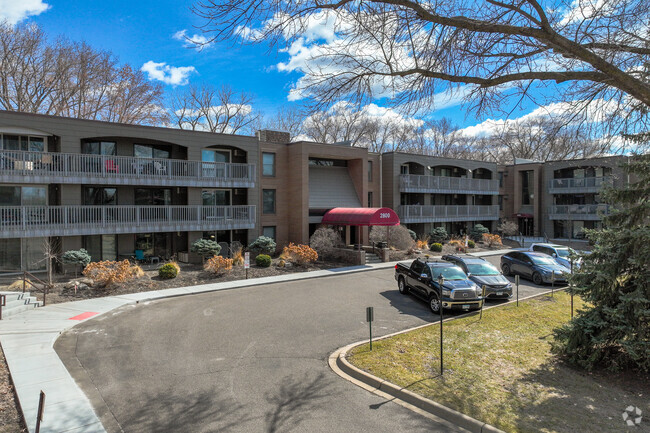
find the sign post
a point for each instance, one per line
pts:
(39, 414)
(247, 262)
(370, 316)
(482, 300)
(570, 288)
(517, 284)
(441, 282)
(552, 283)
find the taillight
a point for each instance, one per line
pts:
(395, 267)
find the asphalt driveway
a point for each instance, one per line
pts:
(251, 359)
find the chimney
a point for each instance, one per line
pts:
(270, 136)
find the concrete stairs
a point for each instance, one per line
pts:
(18, 302)
(372, 258)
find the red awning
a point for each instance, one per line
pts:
(361, 216)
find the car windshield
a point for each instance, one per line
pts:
(563, 252)
(449, 273)
(482, 269)
(538, 260)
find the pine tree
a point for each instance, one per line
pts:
(614, 332)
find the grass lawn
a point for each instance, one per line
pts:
(500, 370)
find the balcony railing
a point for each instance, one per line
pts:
(426, 214)
(38, 221)
(52, 167)
(586, 212)
(578, 184)
(447, 185)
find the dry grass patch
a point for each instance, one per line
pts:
(500, 370)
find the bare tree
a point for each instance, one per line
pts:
(206, 108)
(287, 119)
(489, 51)
(72, 79)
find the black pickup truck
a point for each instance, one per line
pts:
(421, 278)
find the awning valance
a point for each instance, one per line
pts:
(361, 216)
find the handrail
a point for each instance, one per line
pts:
(428, 182)
(447, 211)
(580, 182)
(46, 286)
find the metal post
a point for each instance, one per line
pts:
(3, 302)
(571, 288)
(552, 283)
(39, 415)
(370, 316)
(482, 301)
(517, 284)
(441, 282)
(24, 283)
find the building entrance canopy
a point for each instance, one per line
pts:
(362, 216)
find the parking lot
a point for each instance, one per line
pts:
(252, 359)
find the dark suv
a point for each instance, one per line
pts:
(483, 273)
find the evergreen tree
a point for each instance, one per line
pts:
(615, 279)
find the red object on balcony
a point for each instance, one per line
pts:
(110, 165)
(362, 216)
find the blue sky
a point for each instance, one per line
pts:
(141, 32)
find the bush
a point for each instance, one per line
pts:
(436, 247)
(476, 234)
(399, 237)
(299, 254)
(471, 243)
(491, 240)
(421, 244)
(108, 272)
(413, 235)
(263, 245)
(205, 248)
(263, 260)
(77, 258)
(438, 235)
(324, 241)
(457, 245)
(218, 265)
(168, 271)
(508, 228)
(238, 257)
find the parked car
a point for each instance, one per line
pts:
(458, 292)
(560, 253)
(538, 267)
(483, 273)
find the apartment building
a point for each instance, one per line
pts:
(428, 192)
(520, 197)
(114, 189)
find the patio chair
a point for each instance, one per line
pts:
(160, 168)
(111, 165)
(224, 249)
(139, 255)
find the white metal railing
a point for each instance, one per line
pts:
(27, 220)
(577, 210)
(580, 182)
(433, 183)
(439, 213)
(119, 167)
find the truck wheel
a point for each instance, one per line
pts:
(537, 279)
(506, 270)
(401, 285)
(434, 304)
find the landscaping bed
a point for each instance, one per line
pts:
(500, 370)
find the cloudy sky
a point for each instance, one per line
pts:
(152, 35)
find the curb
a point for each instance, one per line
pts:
(340, 365)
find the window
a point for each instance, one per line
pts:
(210, 155)
(22, 142)
(151, 151)
(23, 196)
(98, 196)
(404, 169)
(99, 147)
(527, 193)
(500, 202)
(268, 201)
(268, 164)
(216, 197)
(369, 171)
(369, 198)
(500, 179)
(101, 247)
(269, 232)
(153, 196)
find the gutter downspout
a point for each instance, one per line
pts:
(381, 181)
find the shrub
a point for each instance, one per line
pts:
(263, 245)
(471, 243)
(263, 260)
(436, 247)
(107, 272)
(77, 258)
(457, 245)
(238, 257)
(438, 235)
(205, 248)
(422, 245)
(218, 265)
(399, 236)
(413, 235)
(508, 228)
(477, 232)
(299, 254)
(324, 241)
(168, 271)
(491, 239)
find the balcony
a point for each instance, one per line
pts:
(434, 214)
(447, 185)
(580, 212)
(77, 168)
(577, 185)
(39, 221)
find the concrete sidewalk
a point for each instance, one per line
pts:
(28, 344)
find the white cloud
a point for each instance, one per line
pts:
(198, 41)
(173, 75)
(14, 11)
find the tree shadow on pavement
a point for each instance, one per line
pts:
(295, 400)
(204, 411)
